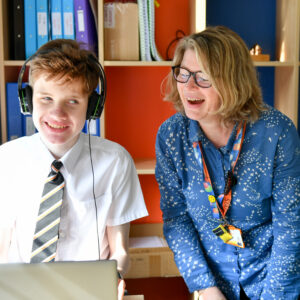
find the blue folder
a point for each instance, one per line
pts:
(13, 113)
(68, 19)
(85, 27)
(94, 127)
(42, 10)
(56, 19)
(30, 27)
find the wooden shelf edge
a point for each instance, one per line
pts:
(118, 63)
(16, 63)
(273, 63)
(145, 166)
(169, 63)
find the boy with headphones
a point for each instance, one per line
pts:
(101, 192)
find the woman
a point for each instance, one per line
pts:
(228, 168)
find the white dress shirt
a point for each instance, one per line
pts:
(25, 164)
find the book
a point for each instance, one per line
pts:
(148, 48)
(30, 27)
(85, 28)
(56, 19)
(42, 13)
(68, 19)
(94, 8)
(18, 41)
(28, 127)
(151, 19)
(145, 50)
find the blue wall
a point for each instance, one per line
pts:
(255, 22)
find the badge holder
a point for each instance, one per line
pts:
(236, 234)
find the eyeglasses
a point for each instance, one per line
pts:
(183, 75)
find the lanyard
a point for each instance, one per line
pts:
(222, 204)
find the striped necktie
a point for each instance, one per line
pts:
(46, 231)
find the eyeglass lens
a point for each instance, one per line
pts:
(182, 75)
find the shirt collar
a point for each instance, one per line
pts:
(228, 148)
(197, 135)
(44, 154)
(70, 159)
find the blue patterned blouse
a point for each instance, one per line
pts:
(265, 206)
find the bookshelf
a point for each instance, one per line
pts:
(286, 62)
(134, 108)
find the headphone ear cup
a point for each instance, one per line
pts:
(29, 98)
(95, 106)
(25, 98)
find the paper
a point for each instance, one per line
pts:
(144, 31)
(151, 19)
(147, 242)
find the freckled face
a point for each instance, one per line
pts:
(198, 102)
(59, 111)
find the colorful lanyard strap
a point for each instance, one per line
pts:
(223, 200)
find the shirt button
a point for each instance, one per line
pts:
(61, 235)
(238, 271)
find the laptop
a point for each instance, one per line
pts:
(59, 280)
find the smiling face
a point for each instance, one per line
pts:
(59, 112)
(199, 103)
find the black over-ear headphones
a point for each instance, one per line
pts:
(96, 100)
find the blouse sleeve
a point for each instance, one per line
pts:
(179, 230)
(283, 270)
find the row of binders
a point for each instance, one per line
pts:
(35, 22)
(19, 125)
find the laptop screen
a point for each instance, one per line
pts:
(59, 280)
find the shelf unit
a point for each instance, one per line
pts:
(286, 65)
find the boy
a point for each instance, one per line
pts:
(101, 192)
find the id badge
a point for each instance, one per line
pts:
(236, 234)
(222, 232)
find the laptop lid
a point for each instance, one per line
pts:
(59, 280)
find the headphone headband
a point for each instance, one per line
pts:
(96, 100)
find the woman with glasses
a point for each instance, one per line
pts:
(228, 169)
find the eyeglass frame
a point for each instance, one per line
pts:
(190, 74)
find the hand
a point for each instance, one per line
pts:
(121, 289)
(211, 293)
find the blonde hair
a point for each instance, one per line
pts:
(65, 59)
(227, 61)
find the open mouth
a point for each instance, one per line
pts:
(195, 100)
(54, 126)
